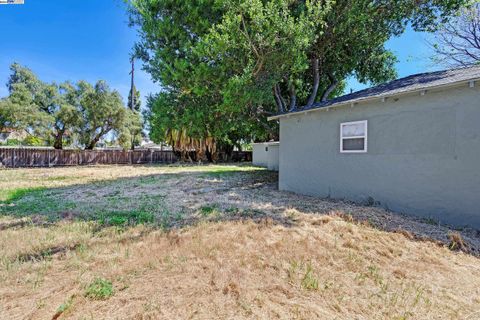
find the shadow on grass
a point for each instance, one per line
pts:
(125, 202)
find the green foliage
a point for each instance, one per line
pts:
(33, 141)
(134, 217)
(13, 142)
(99, 289)
(136, 103)
(102, 111)
(208, 210)
(226, 65)
(11, 196)
(130, 135)
(309, 280)
(78, 114)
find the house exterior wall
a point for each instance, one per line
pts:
(423, 155)
(259, 154)
(266, 154)
(273, 157)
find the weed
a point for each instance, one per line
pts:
(66, 305)
(208, 210)
(456, 242)
(99, 289)
(309, 281)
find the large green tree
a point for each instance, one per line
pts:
(60, 114)
(226, 65)
(102, 111)
(24, 108)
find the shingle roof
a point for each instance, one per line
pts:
(421, 81)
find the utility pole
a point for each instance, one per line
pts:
(132, 86)
(133, 97)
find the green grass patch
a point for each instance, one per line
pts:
(126, 218)
(208, 210)
(99, 289)
(10, 196)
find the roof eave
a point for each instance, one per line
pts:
(371, 98)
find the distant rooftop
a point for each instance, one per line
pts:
(421, 81)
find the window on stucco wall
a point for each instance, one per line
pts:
(353, 137)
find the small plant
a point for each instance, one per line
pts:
(309, 281)
(99, 289)
(65, 306)
(456, 242)
(206, 211)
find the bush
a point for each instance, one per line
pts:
(33, 141)
(13, 142)
(99, 289)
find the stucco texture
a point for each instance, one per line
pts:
(423, 155)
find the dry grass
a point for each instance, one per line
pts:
(244, 256)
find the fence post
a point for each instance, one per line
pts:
(13, 158)
(48, 153)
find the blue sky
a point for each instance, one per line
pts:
(90, 40)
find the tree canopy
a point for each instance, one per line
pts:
(64, 113)
(226, 65)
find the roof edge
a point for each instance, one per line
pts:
(371, 98)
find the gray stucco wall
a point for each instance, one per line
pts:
(273, 156)
(423, 155)
(259, 154)
(266, 154)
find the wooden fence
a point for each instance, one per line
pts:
(36, 157)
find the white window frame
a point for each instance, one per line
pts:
(365, 146)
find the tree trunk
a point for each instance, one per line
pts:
(132, 143)
(282, 101)
(58, 143)
(316, 83)
(293, 97)
(93, 143)
(278, 100)
(331, 87)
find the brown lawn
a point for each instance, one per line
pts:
(217, 242)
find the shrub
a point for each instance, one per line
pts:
(33, 141)
(99, 289)
(13, 142)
